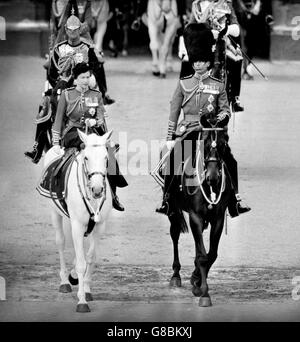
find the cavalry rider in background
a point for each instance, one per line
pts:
(81, 107)
(63, 59)
(142, 8)
(202, 98)
(221, 18)
(60, 12)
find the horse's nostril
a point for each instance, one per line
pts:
(98, 193)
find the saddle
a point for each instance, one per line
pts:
(54, 179)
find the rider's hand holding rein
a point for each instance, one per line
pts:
(170, 142)
(55, 141)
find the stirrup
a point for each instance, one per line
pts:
(164, 209)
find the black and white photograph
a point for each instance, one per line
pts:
(150, 164)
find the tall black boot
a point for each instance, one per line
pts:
(235, 206)
(115, 199)
(36, 153)
(165, 207)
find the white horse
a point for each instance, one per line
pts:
(162, 21)
(101, 14)
(87, 193)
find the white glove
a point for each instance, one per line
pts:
(170, 144)
(90, 122)
(57, 150)
(221, 116)
(215, 34)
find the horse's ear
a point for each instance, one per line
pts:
(82, 136)
(107, 135)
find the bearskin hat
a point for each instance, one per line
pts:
(80, 68)
(199, 41)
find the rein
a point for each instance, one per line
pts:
(85, 180)
(213, 200)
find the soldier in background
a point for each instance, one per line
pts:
(64, 57)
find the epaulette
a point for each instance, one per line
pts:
(186, 77)
(71, 88)
(97, 91)
(86, 41)
(215, 79)
(61, 43)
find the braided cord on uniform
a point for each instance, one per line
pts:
(171, 130)
(55, 137)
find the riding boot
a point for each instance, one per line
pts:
(115, 199)
(41, 139)
(236, 105)
(165, 207)
(235, 206)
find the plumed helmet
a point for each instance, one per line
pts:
(199, 41)
(79, 69)
(73, 22)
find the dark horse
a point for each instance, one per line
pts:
(204, 193)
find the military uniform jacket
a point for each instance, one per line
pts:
(60, 12)
(72, 109)
(66, 56)
(197, 97)
(219, 68)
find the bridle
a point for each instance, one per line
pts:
(213, 200)
(84, 183)
(89, 174)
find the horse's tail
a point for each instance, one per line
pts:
(177, 219)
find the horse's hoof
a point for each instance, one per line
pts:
(156, 73)
(205, 302)
(175, 282)
(196, 291)
(82, 308)
(89, 297)
(72, 280)
(65, 288)
(162, 75)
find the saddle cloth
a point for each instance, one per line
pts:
(55, 178)
(187, 171)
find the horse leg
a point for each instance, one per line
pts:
(196, 223)
(125, 40)
(166, 47)
(73, 277)
(78, 236)
(196, 276)
(57, 222)
(214, 239)
(91, 258)
(154, 47)
(99, 35)
(175, 233)
(169, 63)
